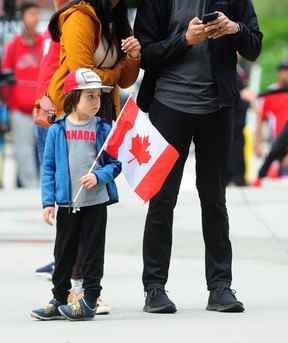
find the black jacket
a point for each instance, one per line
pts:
(159, 48)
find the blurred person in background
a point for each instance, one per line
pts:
(274, 107)
(50, 61)
(3, 130)
(3, 127)
(236, 164)
(22, 57)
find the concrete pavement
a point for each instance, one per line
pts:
(259, 235)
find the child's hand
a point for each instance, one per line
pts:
(49, 215)
(88, 181)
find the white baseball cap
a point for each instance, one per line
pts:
(84, 78)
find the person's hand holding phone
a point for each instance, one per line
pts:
(195, 33)
(221, 26)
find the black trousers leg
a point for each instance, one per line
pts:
(65, 251)
(92, 239)
(277, 152)
(157, 241)
(212, 141)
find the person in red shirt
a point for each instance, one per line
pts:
(22, 57)
(274, 107)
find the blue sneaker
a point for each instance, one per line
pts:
(77, 311)
(49, 312)
(46, 271)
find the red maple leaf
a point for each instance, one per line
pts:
(139, 149)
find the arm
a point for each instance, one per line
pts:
(261, 117)
(111, 167)
(248, 41)
(110, 170)
(129, 72)
(151, 26)
(80, 42)
(48, 171)
(258, 137)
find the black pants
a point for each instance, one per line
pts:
(277, 152)
(212, 137)
(85, 229)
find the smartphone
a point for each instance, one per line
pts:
(209, 17)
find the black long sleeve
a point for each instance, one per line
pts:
(151, 28)
(248, 42)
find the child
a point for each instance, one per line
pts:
(71, 148)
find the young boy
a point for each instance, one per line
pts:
(71, 148)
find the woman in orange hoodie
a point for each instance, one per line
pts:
(95, 34)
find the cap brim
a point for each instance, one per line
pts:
(106, 89)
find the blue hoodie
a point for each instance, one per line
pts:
(56, 182)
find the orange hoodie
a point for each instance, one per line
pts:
(80, 32)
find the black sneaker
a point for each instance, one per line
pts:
(78, 310)
(50, 312)
(157, 301)
(224, 300)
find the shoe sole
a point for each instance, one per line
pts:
(47, 276)
(102, 310)
(102, 313)
(37, 316)
(162, 309)
(233, 308)
(74, 319)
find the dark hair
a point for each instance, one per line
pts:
(71, 101)
(117, 16)
(25, 6)
(282, 66)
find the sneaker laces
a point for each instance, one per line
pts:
(228, 289)
(76, 309)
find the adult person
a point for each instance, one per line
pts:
(95, 34)
(273, 107)
(188, 89)
(278, 152)
(22, 57)
(236, 165)
(50, 61)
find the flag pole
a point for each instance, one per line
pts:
(101, 150)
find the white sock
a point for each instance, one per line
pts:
(77, 285)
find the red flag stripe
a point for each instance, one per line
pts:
(124, 124)
(156, 176)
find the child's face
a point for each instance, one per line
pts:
(89, 103)
(31, 18)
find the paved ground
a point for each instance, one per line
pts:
(260, 240)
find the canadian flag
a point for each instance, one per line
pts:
(146, 157)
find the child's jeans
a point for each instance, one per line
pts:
(83, 230)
